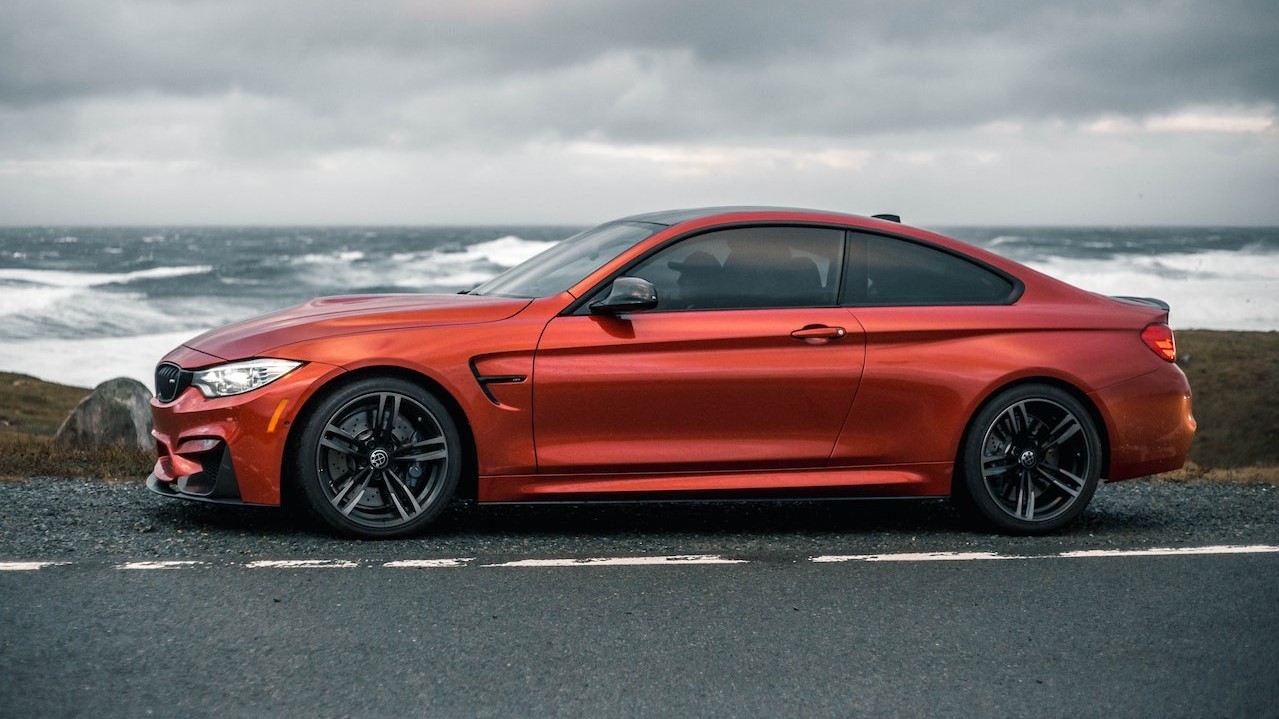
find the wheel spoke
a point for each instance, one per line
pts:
(1064, 430)
(1018, 417)
(1001, 435)
(386, 415)
(396, 488)
(992, 467)
(336, 438)
(358, 495)
(422, 451)
(1026, 498)
(1064, 480)
(350, 482)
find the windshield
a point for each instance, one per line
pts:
(568, 262)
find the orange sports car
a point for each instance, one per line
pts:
(708, 353)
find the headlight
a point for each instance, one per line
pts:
(240, 377)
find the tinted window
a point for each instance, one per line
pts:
(888, 271)
(744, 268)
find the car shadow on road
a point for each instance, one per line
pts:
(767, 516)
(709, 517)
(695, 526)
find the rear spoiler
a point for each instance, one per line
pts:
(1152, 301)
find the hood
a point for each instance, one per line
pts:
(346, 315)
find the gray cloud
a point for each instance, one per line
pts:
(413, 111)
(354, 74)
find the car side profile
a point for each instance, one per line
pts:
(690, 354)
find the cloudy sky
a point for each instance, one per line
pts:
(535, 111)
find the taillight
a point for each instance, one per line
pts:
(1158, 337)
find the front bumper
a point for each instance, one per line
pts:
(204, 473)
(230, 450)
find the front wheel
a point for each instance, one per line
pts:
(379, 458)
(1030, 462)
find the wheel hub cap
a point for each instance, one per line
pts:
(379, 458)
(1028, 458)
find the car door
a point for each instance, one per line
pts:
(938, 327)
(746, 362)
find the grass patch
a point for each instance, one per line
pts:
(27, 455)
(32, 406)
(1233, 376)
(31, 411)
(1237, 475)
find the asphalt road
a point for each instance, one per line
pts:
(773, 633)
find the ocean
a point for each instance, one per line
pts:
(79, 305)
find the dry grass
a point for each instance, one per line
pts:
(31, 411)
(34, 406)
(27, 455)
(1236, 475)
(1234, 376)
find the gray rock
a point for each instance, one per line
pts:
(118, 413)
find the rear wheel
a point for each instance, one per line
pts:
(379, 458)
(1031, 460)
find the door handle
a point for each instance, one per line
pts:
(819, 334)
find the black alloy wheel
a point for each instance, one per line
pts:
(379, 458)
(1031, 460)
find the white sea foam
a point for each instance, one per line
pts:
(506, 251)
(27, 300)
(37, 312)
(331, 258)
(1005, 240)
(59, 278)
(461, 278)
(88, 362)
(1220, 290)
(435, 269)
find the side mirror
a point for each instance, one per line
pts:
(627, 294)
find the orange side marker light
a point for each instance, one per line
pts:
(275, 418)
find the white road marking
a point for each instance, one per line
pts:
(669, 560)
(302, 564)
(1169, 551)
(679, 559)
(172, 564)
(1087, 553)
(27, 566)
(913, 557)
(428, 563)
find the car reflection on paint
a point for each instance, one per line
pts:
(712, 353)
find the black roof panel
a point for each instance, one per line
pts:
(674, 217)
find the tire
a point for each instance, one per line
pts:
(378, 459)
(1030, 461)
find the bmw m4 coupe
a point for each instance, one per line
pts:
(707, 353)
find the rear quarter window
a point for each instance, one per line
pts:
(886, 271)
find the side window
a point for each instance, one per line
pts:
(748, 268)
(887, 271)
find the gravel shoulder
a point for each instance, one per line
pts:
(47, 518)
